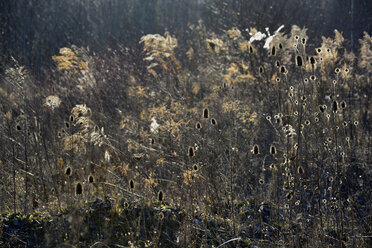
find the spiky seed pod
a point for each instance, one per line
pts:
(273, 51)
(312, 60)
(160, 196)
(272, 150)
(299, 61)
(313, 77)
(18, 127)
(68, 171)
(289, 195)
(191, 152)
(205, 113)
(335, 106)
(256, 149)
(198, 125)
(90, 179)
(131, 184)
(343, 104)
(78, 189)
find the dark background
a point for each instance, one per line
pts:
(33, 30)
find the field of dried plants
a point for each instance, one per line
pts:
(225, 140)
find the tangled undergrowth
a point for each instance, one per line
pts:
(225, 140)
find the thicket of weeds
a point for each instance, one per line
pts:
(224, 140)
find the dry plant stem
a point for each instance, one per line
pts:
(25, 143)
(14, 169)
(51, 173)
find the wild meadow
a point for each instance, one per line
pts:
(230, 139)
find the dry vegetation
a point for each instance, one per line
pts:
(222, 141)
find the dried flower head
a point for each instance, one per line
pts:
(234, 33)
(52, 102)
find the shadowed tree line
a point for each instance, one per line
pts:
(32, 31)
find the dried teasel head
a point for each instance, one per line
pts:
(68, 171)
(256, 149)
(90, 179)
(191, 152)
(299, 61)
(160, 196)
(131, 184)
(78, 189)
(198, 125)
(335, 106)
(272, 150)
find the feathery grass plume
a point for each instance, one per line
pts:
(365, 56)
(215, 45)
(161, 49)
(75, 142)
(234, 33)
(78, 189)
(298, 35)
(69, 60)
